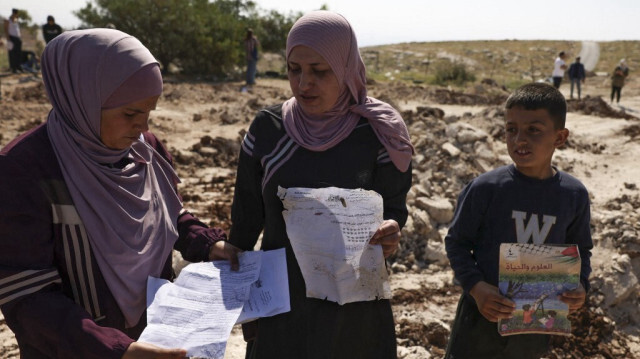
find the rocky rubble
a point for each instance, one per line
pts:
(209, 192)
(593, 336)
(421, 332)
(450, 151)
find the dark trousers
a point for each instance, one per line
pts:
(557, 81)
(15, 54)
(474, 337)
(577, 83)
(251, 71)
(615, 90)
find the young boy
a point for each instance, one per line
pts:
(529, 201)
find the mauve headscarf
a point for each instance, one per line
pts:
(130, 214)
(331, 35)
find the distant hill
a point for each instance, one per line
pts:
(508, 62)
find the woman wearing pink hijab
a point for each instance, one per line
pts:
(89, 206)
(329, 134)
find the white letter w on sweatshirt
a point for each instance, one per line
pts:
(532, 230)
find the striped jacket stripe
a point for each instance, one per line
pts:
(77, 258)
(26, 282)
(275, 150)
(383, 156)
(279, 159)
(284, 150)
(247, 144)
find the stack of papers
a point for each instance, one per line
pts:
(198, 310)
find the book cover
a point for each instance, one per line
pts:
(534, 277)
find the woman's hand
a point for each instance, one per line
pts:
(574, 298)
(388, 235)
(491, 304)
(139, 350)
(224, 250)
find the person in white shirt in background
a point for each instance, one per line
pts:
(558, 69)
(12, 30)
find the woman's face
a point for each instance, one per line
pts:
(121, 126)
(312, 81)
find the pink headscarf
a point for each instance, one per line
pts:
(331, 35)
(130, 214)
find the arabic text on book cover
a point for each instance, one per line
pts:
(534, 277)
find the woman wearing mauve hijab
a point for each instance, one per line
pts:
(89, 206)
(329, 134)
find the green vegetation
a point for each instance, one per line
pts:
(452, 73)
(186, 36)
(192, 36)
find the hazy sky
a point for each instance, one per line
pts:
(378, 22)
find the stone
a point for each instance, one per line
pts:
(421, 221)
(484, 151)
(465, 133)
(619, 280)
(436, 253)
(420, 190)
(439, 209)
(482, 165)
(414, 352)
(451, 149)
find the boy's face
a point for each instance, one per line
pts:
(531, 139)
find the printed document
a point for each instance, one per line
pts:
(269, 295)
(329, 230)
(198, 310)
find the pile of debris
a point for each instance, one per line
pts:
(209, 169)
(593, 336)
(35, 93)
(596, 106)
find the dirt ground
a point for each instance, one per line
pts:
(203, 124)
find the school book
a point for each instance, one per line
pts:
(534, 277)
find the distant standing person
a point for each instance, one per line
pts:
(576, 75)
(12, 30)
(617, 79)
(50, 30)
(558, 69)
(251, 44)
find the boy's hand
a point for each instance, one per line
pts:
(491, 304)
(388, 235)
(574, 298)
(225, 250)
